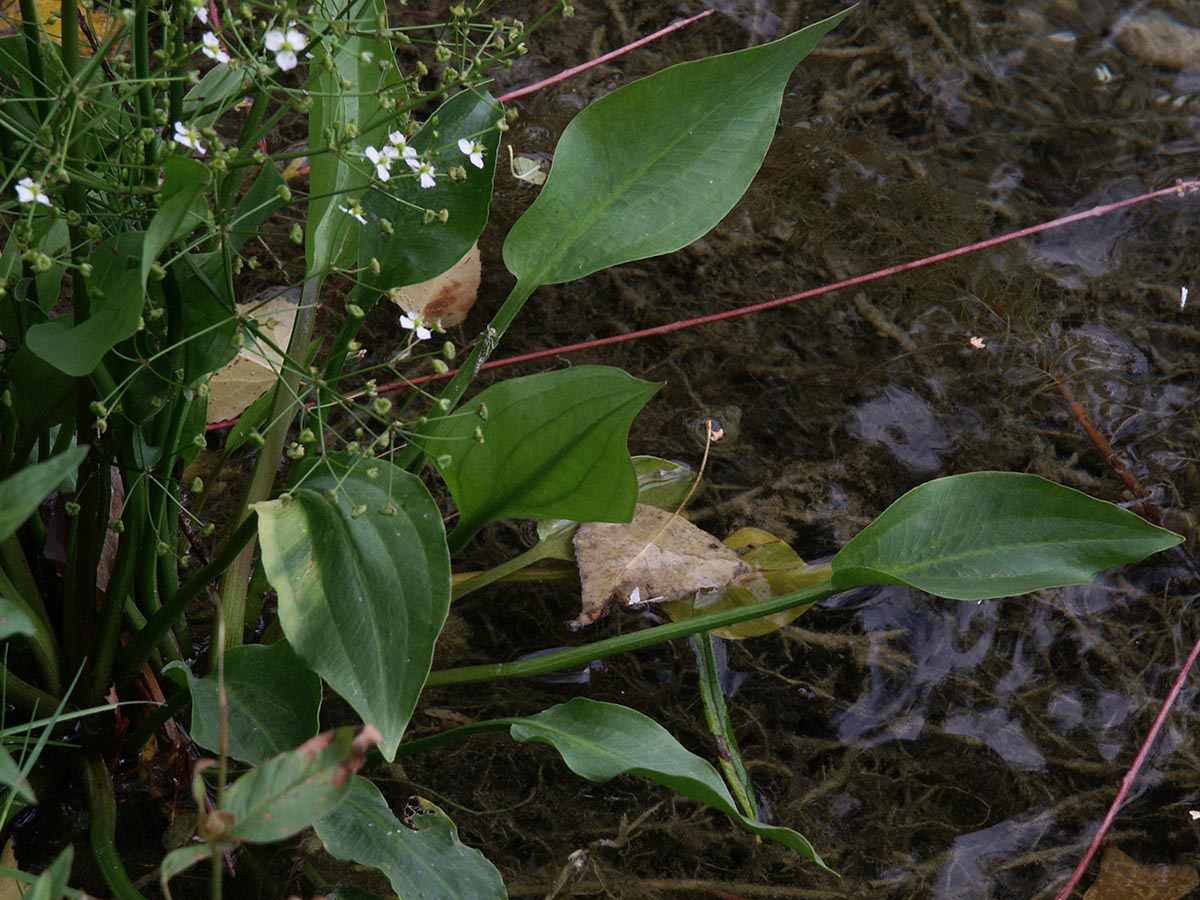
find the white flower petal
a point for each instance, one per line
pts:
(273, 40)
(286, 60)
(465, 146)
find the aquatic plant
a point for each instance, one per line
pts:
(132, 195)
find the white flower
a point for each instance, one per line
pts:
(473, 151)
(382, 160)
(978, 343)
(29, 191)
(211, 47)
(199, 10)
(400, 144)
(416, 324)
(424, 170)
(189, 137)
(354, 209)
(285, 46)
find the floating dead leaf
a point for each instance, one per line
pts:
(656, 557)
(772, 570)
(256, 367)
(448, 297)
(1124, 878)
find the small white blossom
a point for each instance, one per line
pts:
(416, 324)
(199, 10)
(978, 343)
(399, 143)
(424, 170)
(189, 137)
(356, 210)
(473, 150)
(285, 46)
(211, 47)
(382, 160)
(29, 191)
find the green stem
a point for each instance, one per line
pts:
(539, 551)
(41, 642)
(31, 28)
(134, 655)
(21, 693)
(717, 713)
(130, 551)
(421, 745)
(578, 657)
(412, 457)
(236, 579)
(141, 735)
(16, 566)
(98, 787)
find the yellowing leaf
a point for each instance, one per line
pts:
(10, 888)
(1124, 878)
(773, 569)
(656, 557)
(447, 297)
(93, 22)
(255, 369)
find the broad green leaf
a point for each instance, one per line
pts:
(552, 445)
(183, 207)
(603, 740)
(661, 483)
(994, 534)
(23, 491)
(657, 163)
(42, 396)
(414, 252)
(287, 793)
(258, 205)
(338, 179)
(424, 858)
(179, 861)
(273, 702)
(363, 583)
(12, 778)
(116, 313)
(14, 619)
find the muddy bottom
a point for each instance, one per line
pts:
(926, 748)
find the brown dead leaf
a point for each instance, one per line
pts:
(10, 888)
(448, 297)
(1124, 878)
(255, 369)
(656, 557)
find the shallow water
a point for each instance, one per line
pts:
(928, 749)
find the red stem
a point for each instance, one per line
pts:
(583, 67)
(1131, 776)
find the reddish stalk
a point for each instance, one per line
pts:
(1181, 189)
(620, 51)
(1131, 776)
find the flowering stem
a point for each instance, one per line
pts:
(236, 579)
(453, 392)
